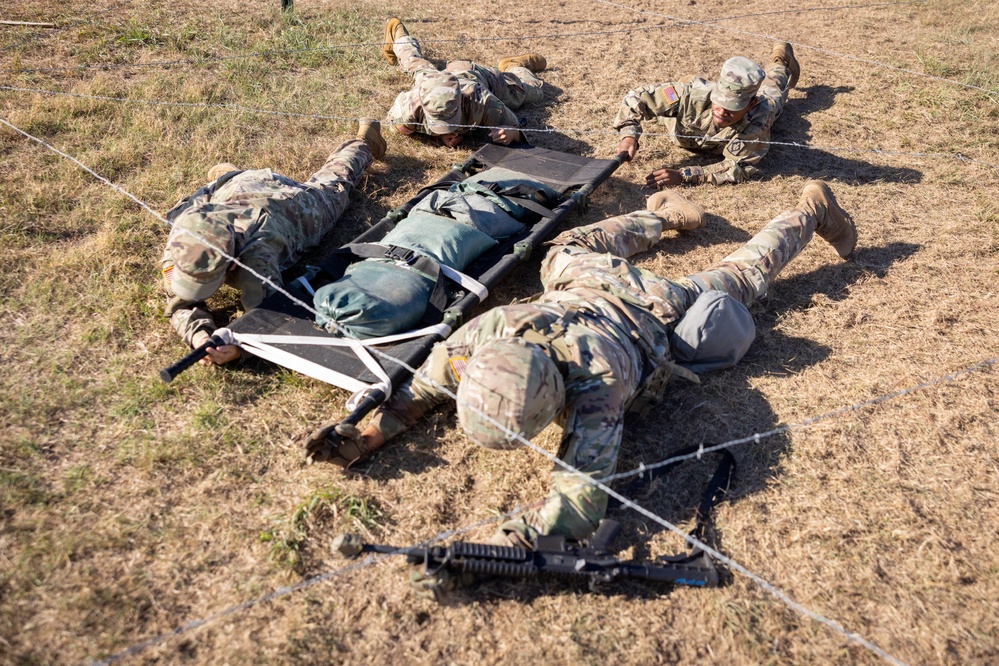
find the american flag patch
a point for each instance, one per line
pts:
(168, 275)
(458, 365)
(670, 93)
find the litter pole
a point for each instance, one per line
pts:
(168, 374)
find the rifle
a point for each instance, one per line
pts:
(553, 555)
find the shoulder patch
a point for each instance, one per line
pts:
(458, 365)
(168, 275)
(669, 92)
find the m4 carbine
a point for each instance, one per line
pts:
(552, 555)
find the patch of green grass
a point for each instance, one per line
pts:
(325, 509)
(210, 416)
(18, 487)
(138, 35)
(78, 477)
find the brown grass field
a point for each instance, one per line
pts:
(130, 508)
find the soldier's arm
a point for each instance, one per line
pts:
(594, 428)
(489, 111)
(193, 323)
(742, 156)
(406, 114)
(647, 103)
(422, 393)
(253, 290)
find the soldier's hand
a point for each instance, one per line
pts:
(451, 140)
(505, 136)
(342, 444)
(628, 144)
(661, 178)
(220, 355)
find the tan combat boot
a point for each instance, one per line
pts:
(831, 222)
(784, 54)
(675, 211)
(532, 61)
(369, 131)
(394, 29)
(220, 170)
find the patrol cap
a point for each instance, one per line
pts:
(440, 96)
(199, 268)
(737, 84)
(514, 382)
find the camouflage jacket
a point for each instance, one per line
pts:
(684, 110)
(275, 220)
(481, 105)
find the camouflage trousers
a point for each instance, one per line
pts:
(515, 87)
(331, 187)
(575, 507)
(774, 86)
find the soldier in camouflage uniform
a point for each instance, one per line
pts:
(585, 349)
(262, 218)
(731, 117)
(449, 103)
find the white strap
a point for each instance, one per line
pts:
(314, 370)
(443, 330)
(469, 283)
(305, 283)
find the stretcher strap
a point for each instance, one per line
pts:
(467, 282)
(443, 330)
(294, 362)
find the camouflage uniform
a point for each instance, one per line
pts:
(274, 220)
(488, 96)
(617, 336)
(683, 109)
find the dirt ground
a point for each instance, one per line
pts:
(154, 523)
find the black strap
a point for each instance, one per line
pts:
(336, 264)
(714, 493)
(523, 195)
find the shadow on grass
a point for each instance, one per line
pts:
(723, 407)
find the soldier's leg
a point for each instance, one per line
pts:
(747, 273)
(330, 188)
(781, 75)
(520, 86)
(411, 60)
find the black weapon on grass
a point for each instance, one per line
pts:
(221, 338)
(553, 555)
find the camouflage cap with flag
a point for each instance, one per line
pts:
(199, 267)
(440, 96)
(516, 383)
(737, 84)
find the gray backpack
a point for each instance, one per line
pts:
(714, 334)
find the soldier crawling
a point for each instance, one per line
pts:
(448, 104)
(581, 354)
(264, 219)
(731, 117)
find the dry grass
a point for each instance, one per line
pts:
(128, 508)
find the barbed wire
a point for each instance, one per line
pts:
(460, 40)
(802, 45)
(760, 436)
(187, 626)
(766, 585)
(548, 130)
(306, 583)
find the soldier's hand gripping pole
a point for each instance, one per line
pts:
(220, 339)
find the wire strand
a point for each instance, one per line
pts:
(548, 130)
